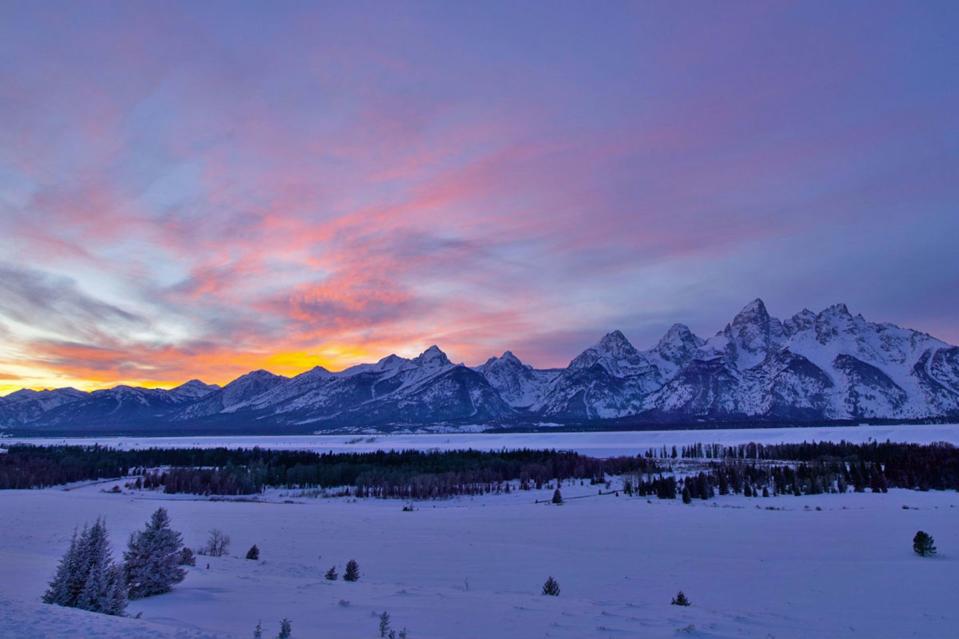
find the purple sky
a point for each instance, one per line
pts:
(199, 189)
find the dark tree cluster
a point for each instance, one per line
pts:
(662, 487)
(88, 578)
(39, 467)
(871, 465)
(407, 474)
(748, 469)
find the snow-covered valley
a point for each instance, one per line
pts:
(831, 565)
(594, 444)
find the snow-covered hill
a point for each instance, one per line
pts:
(812, 366)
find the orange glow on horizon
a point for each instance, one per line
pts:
(212, 368)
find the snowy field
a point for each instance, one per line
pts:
(473, 568)
(595, 444)
(812, 566)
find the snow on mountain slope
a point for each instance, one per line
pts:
(119, 406)
(519, 384)
(605, 381)
(826, 365)
(28, 405)
(290, 390)
(427, 388)
(242, 389)
(192, 391)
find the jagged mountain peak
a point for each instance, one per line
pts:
(29, 393)
(507, 359)
(678, 345)
(508, 356)
(614, 340)
(679, 334)
(753, 312)
(801, 321)
(258, 373)
(614, 353)
(317, 372)
(432, 356)
(836, 310)
(193, 388)
(391, 360)
(253, 377)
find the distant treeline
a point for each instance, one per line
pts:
(222, 471)
(749, 469)
(811, 468)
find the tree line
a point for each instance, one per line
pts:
(750, 469)
(409, 474)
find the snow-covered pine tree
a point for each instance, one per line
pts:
(115, 601)
(286, 629)
(87, 578)
(152, 559)
(331, 574)
(352, 571)
(186, 557)
(923, 544)
(253, 553)
(59, 591)
(551, 587)
(94, 592)
(384, 623)
(258, 631)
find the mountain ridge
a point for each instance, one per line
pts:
(830, 365)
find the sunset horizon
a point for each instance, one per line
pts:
(197, 191)
(290, 366)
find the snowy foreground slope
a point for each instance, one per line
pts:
(473, 568)
(830, 365)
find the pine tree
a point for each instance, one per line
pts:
(258, 631)
(687, 496)
(115, 601)
(94, 588)
(680, 600)
(60, 589)
(95, 564)
(352, 571)
(924, 544)
(286, 629)
(384, 623)
(551, 587)
(253, 553)
(557, 497)
(87, 577)
(331, 574)
(152, 560)
(186, 557)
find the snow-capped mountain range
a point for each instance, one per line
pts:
(830, 365)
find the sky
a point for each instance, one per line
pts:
(196, 190)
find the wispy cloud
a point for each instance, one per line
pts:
(204, 189)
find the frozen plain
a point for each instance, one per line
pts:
(594, 444)
(474, 567)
